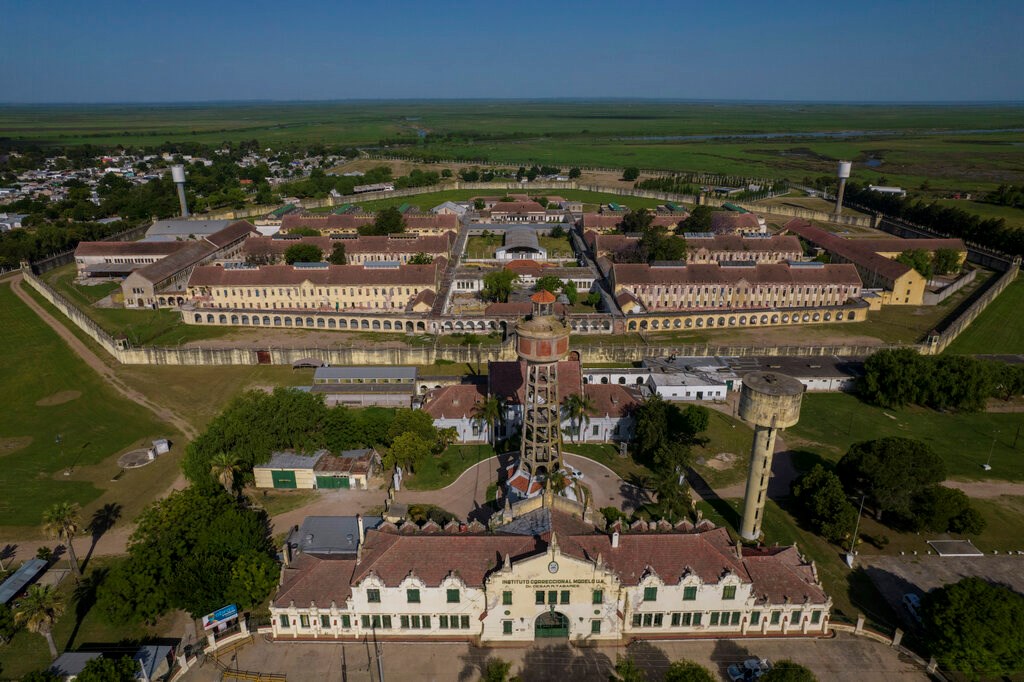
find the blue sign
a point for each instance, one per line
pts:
(219, 616)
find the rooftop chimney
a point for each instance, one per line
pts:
(615, 540)
(362, 533)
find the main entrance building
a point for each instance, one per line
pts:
(545, 572)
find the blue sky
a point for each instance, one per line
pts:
(162, 50)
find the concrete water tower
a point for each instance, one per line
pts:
(844, 175)
(770, 401)
(178, 176)
(541, 341)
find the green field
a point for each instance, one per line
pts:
(831, 422)
(1014, 217)
(912, 142)
(999, 329)
(48, 392)
(442, 470)
(591, 200)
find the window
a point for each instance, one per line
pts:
(714, 617)
(304, 621)
(598, 597)
(734, 619)
(506, 598)
(658, 619)
(346, 622)
(453, 596)
(755, 617)
(373, 596)
(596, 430)
(375, 620)
(442, 622)
(465, 622)
(325, 621)
(797, 617)
(729, 592)
(540, 597)
(636, 620)
(506, 627)
(413, 596)
(697, 618)
(690, 593)
(552, 596)
(648, 619)
(403, 621)
(386, 622)
(815, 617)
(776, 615)
(564, 597)
(365, 620)
(595, 627)
(650, 594)
(284, 622)
(676, 619)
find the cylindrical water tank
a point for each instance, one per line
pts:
(178, 174)
(844, 169)
(771, 399)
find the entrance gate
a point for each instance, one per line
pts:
(551, 624)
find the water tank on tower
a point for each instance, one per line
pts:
(844, 175)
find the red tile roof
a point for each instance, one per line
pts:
(117, 249)
(316, 579)
(712, 273)
(454, 402)
(854, 250)
(330, 275)
(543, 296)
(331, 222)
(232, 233)
(728, 221)
(390, 244)
(612, 400)
(612, 221)
(517, 207)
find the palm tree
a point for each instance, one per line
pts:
(61, 521)
(491, 412)
(559, 480)
(39, 610)
(578, 408)
(446, 437)
(224, 467)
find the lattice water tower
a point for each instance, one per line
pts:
(542, 340)
(844, 174)
(770, 401)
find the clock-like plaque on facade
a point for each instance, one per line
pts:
(553, 567)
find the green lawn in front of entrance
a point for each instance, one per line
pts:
(441, 470)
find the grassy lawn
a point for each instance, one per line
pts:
(831, 422)
(1014, 217)
(607, 454)
(558, 247)
(276, 502)
(142, 327)
(442, 470)
(49, 392)
(483, 246)
(79, 626)
(1000, 329)
(726, 435)
(591, 200)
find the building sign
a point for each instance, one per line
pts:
(226, 613)
(556, 582)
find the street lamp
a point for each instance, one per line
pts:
(856, 529)
(987, 466)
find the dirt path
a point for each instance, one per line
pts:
(987, 489)
(102, 368)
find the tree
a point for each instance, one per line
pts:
(788, 671)
(548, 283)
(421, 259)
(570, 291)
(975, 627)
(103, 669)
(699, 220)
(941, 509)
(578, 407)
(338, 256)
(479, 204)
(687, 671)
(303, 253)
(673, 496)
(639, 220)
(62, 521)
(631, 173)
(412, 421)
(891, 472)
(495, 670)
(823, 504)
(946, 261)
(253, 576)
(490, 412)
(8, 626)
(557, 232)
(892, 378)
(407, 450)
(498, 285)
(655, 244)
(305, 231)
(919, 259)
(387, 221)
(626, 670)
(574, 173)
(446, 437)
(225, 468)
(40, 608)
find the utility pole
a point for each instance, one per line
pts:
(856, 529)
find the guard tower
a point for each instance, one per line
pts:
(770, 401)
(541, 341)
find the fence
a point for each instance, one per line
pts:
(955, 327)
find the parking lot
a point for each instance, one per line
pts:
(843, 658)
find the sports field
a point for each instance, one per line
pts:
(591, 200)
(62, 428)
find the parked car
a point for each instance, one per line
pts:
(913, 604)
(735, 673)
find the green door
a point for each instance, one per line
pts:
(332, 481)
(283, 479)
(551, 624)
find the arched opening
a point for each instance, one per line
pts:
(421, 326)
(298, 322)
(234, 319)
(689, 322)
(198, 317)
(266, 320)
(839, 316)
(331, 323)
(622, 380)
(816, 317)
(677, 323)
(828, 317)
(309, 321)
(256, 320)
(288, 321)
(245, 319)
(604, 380)
(209, 318)
(376, 324)
(342, 324)
(277, 321)
(321, 322)
(643, 324)
(387, 325)
(732, 321)
(364, 324)
(551, 624)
